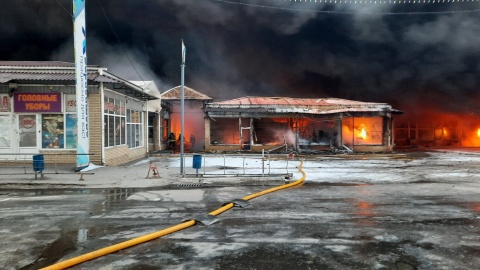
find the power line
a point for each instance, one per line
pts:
(118, 39)
(66, 10)
(363, 2)
(113, 30)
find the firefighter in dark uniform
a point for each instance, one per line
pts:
(171, 140)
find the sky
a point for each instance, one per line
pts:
(410, 55)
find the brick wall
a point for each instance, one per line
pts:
(119, 155)
(60, 156)
(95, 128)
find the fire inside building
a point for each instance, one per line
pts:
(434, 128)
(194, 102)
(286, 124)
(298, 124)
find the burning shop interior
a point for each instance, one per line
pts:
(298, 124)
(436, 128)
(194, 103)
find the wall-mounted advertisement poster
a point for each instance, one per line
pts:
(71, 131)
(4, 103)
(53, 131)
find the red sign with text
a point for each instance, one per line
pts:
(37, 102)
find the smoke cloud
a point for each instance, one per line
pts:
(271, 48)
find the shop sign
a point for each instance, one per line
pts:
(37, 102)
(115, 108)
(4, 103)
(27, 122)
(70, 103)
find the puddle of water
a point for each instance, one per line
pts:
(57, 250)
(188, 195)
(46, 192)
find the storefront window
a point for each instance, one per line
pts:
(70, 121)
(5, 131)
(114, 121)
(224, 131)
(53, 131)
(134, 128)
(362, 131)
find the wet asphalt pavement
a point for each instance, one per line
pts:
(431, 221)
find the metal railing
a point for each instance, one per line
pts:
(270, 165)
(26, 161)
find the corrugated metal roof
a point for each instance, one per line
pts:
(149, 87)
(33, 75)
(62, 71)
(189, 93)
(292, 101)
(36, 64)
(298, 105)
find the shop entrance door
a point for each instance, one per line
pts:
(27, 139)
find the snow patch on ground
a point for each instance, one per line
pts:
(209, 249)
(335, 170)
(337, 248)
(386, 238)
(90, 167)
(116, 264)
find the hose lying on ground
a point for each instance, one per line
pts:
(148, 237)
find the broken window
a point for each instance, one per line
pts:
(272, 131)
(362, 131)
(224, 131)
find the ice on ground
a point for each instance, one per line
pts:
(91, 167)
(335, 170)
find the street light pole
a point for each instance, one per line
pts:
(182, 102)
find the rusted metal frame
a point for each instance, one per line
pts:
(240, 139)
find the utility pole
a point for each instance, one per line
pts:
(182, 105)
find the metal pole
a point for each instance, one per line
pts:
(269, 163)
(263, 161)
(243, 164)
(182, 133)
(287, 163)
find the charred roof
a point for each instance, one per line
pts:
(288, 105)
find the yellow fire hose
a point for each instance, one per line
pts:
(148, 237)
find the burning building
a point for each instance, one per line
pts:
(300, 124)
(194, 103)
(433, 128)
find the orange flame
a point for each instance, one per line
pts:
(363, 133)
(439, 128)
(362, 130)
